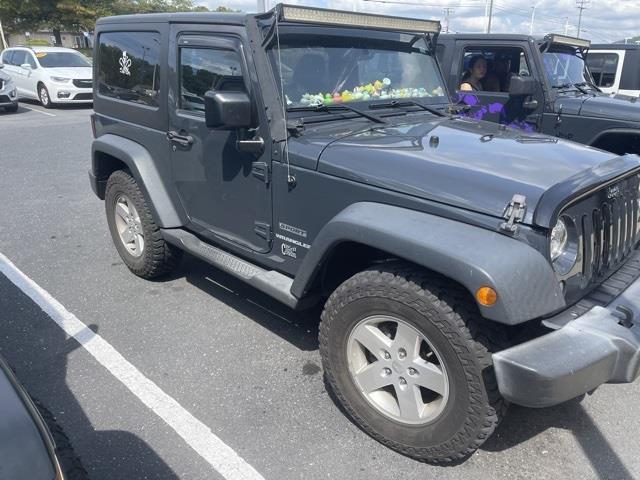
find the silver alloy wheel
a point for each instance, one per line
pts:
(44, 96)
(129, 226)
(397, 370)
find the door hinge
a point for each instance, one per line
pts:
(261, 170)
(514, 213)
(263, 230)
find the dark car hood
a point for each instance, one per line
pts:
(474, 165)
(619, 107)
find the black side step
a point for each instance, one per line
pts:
(273, 283)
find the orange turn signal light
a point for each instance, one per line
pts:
(486, 296)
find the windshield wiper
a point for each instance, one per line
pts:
(407, 103)
(342, 106)
(587, 84)
(575, 86)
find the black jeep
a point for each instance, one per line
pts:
(312, 153)
(541, 85)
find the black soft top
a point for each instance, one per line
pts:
(179, 17)
(614, 46)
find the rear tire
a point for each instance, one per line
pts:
(135, 234)
(464, 407)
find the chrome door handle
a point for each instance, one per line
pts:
(183, 140)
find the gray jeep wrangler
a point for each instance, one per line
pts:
(314, 154)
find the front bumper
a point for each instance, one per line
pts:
(8, 96)
(69, 93)
(601, 346)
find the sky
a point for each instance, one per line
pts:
(603, 21)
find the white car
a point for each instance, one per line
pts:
(616, 68)
(49, 74)
(8, 94)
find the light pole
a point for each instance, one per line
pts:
(581, 4)
(447, 11)
(533, 16)
(490, 14)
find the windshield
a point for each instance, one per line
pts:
(320, 70)
(565, 68)
(62, 59)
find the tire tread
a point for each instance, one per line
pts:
(424, 291)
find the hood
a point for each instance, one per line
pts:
(477, 166)
(620, 107)
(71, 72)
(4, 76)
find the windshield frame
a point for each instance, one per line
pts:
(574, 51)
(377, 37)
(44, 53)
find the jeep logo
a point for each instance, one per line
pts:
(614, 191)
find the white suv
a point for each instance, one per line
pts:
(49, 74)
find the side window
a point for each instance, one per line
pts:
(129, 66)
(603, 67)
(490, 69)
(31, 61)
(6, 57)
(18, 57)
(203, 69)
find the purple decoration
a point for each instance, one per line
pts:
(496, 107)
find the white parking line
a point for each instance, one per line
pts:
(37, 110)
(195, 433)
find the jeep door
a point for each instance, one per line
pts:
(224, 191)
(493, 102)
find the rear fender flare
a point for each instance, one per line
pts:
(142, 167)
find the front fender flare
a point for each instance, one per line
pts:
(474, 257)
(143, 169)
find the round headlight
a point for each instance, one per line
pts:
(558, 239)
(564, 245)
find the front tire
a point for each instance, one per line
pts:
(44, 97)
(134, 232)
(410, 360)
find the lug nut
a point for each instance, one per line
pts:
(386, 371)
(386, 355)
(412, 371)
(402, 353)
(402, 381)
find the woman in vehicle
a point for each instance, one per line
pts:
(472, 78)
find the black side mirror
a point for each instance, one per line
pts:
(227, 110)
(521, 86)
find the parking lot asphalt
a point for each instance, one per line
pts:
(245, 366)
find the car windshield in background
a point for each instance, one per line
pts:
(325, 71)
(62, 59)
(565, 68)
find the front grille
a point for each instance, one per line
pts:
(4, 99)
(610, 233)
(83, 96)
(83, 83)
(607, 223)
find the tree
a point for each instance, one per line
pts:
(20, 16)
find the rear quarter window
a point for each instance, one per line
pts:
(129, 66)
